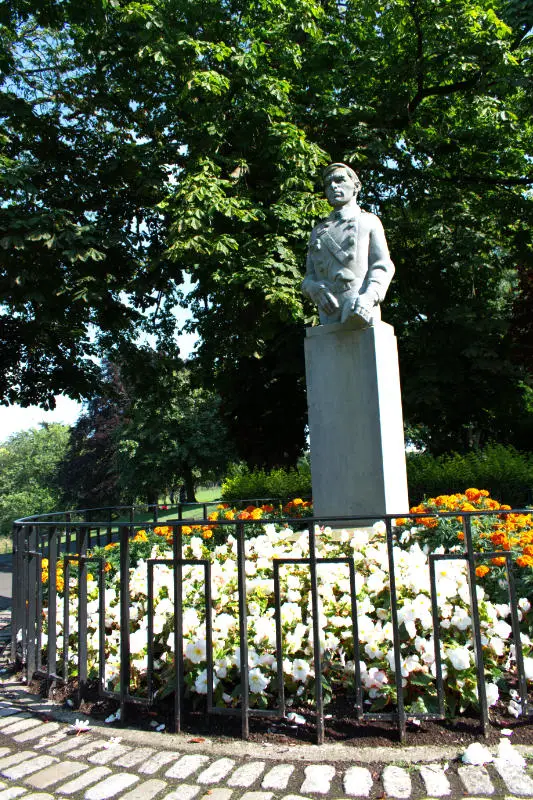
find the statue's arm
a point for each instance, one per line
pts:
(380, 266)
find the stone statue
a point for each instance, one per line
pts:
(348, 267)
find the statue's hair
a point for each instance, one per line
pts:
(346, 168)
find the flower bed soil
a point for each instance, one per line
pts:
(340, 725)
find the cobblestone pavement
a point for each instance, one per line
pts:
(42, 758)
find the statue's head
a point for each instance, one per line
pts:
(340, 184)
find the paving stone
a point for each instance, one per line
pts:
(71, 743)
(56, 773)
(476, 780)
(185, 791)
(318, 778)
(8, 718)
(47, 741)
(22, 725)
(257, 796)
(247, 774)
(45, 729)
(216, 771)
(135, 756)
(4, 751)
(13, 791)
(295, 797)
(87, 749)
(186, 766)
(515, 778)
(157, 761)
(396, 782)
(111, 786)
(8, 711)
(109, 754)
(84, 780)
(145, 790)
(358, 782)
(218, 794)
(278, 777)
(15, 758)
(435, 781)
(27, 767)
(39, 796)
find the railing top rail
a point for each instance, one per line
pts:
(45, 519)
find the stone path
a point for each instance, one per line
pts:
(42, 759)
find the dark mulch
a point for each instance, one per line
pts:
(341, 726)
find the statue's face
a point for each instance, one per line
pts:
(339, 187)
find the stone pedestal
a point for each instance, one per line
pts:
(355, 421)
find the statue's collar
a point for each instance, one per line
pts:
(348, 211)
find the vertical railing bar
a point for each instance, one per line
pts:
(517, 638)
(101, 629)
(355, 633)
(279, 639)
(243, 630)
(124, 615)
(150, 630)
(436, 634)
(16, 623)
(82, 537)
(208, 632)
(395, 632)
(476, 628)
(66, 604)
(317, 661)
(31, 658)
(25, 616)
(109, 537)
(177, 555)
(67, 533)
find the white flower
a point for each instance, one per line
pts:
(81, 725)
(257, 681)
(300, 669)
(528, 668)
(492, 693)
(459, 657)
(524, 604)
(200, 683)
(196, 651)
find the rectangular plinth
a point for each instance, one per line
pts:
(355, 421)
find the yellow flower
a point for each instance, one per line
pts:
(482, 570)
(207, 534)
(141, 536)
(60, 583)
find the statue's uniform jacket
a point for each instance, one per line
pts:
(347, 255)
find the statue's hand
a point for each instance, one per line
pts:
(364, 306)
(326, 301)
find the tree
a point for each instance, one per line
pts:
(89, 471)
(29, 464)
(221, 116)
(173, 435)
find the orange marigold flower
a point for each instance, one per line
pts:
(229, 515)
(60, 583)
(428, 522)
(297, 501)
(249, 509)
(207, 534)
(467, 507)
(493, 504)
(525, 561)
(461, 536)
(112, 545)
(107, 566)
(401, 521)
(473, 495)
(213, 516)
(186, 530)
(441, 500)
(528, 550)
(482, 570)
(141, 536)
(257, 513)
(243, 515)
(499, 561)
(267, 508)
(222, 506)
(44, 576)
(504, 507)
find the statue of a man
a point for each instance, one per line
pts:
(348, 263)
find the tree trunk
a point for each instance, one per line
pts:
(189, 485)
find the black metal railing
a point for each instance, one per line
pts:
(69, 539)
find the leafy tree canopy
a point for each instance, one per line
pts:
(148, 138)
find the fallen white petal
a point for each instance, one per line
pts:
(477, 754)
